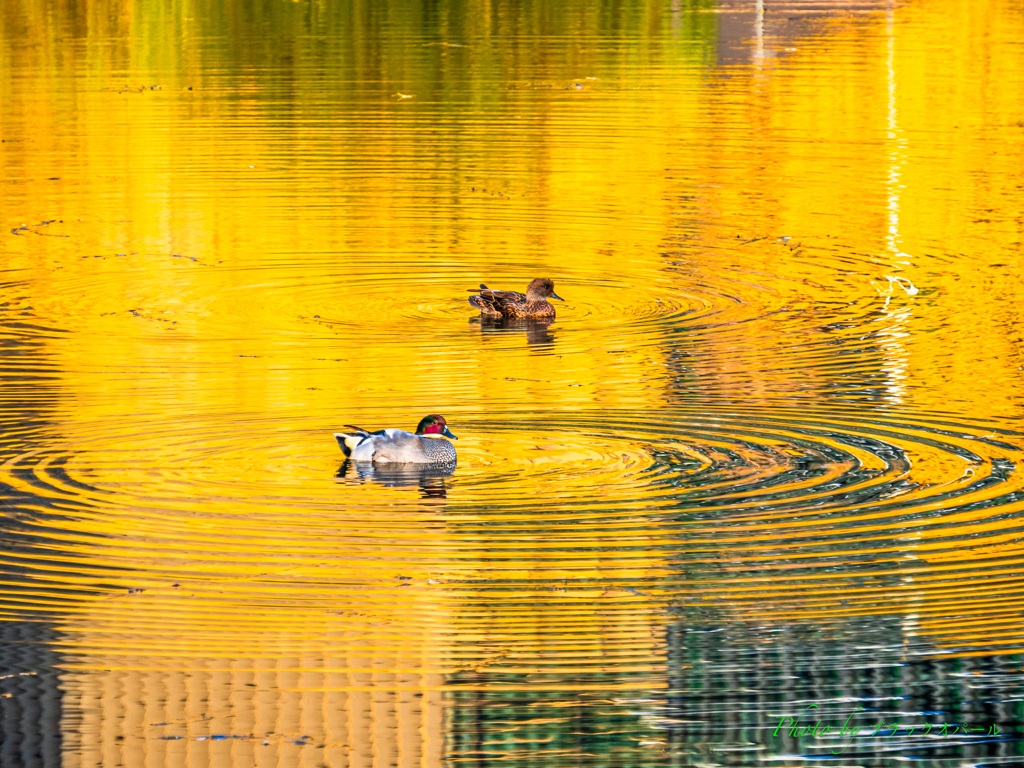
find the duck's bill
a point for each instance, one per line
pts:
(448, 433)
(556, 296)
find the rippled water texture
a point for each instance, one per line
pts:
(765, 464)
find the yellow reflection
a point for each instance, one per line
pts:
(225, 246)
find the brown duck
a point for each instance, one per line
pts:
(533, 303)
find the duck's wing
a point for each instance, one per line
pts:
(497, 303)
(506, 303)
(388, 445)
(502, 295)
(489, 294)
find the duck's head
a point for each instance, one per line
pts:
(541, 288)
(434, 425)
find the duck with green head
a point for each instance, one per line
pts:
(426, 446)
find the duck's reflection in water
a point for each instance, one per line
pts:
(537, 329)
(429, 477)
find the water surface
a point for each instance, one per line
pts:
(765, 462)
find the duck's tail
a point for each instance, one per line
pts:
(349, 440)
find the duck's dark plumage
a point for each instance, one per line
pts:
(533, 303)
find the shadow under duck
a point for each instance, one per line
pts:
(537, 329)
(430, 478)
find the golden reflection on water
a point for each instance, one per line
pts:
(781, 397)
